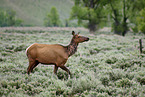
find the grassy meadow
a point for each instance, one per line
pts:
(107, 65)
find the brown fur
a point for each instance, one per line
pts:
(53, 54)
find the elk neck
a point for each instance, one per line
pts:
(71, 48)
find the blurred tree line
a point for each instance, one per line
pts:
(52, 18)
(8, 18)
(123, 14)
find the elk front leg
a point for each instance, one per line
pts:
(65, 69)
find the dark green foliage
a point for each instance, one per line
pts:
(4, 84)
(105, 80)
(125, 82)
(88, 13)
(124, 10)
(111, 60)
(20, 48)
(93, 13)
(62, 75)
(119, 18)
(52, 18)
(141, 80)
(8, 18)
(1, 59)
(115, 75)
(141, 21)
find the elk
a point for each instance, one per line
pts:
(53, 54)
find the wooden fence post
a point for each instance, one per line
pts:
(140, 45)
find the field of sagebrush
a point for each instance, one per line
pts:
(107, 65)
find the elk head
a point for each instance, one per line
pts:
(79, 39)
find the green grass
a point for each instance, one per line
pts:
(107, 65)
(33, 12)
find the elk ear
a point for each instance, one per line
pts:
(73, 33)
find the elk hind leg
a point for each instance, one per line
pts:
(34, 65)
(55, 69)
(31, 64)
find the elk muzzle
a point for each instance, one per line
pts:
(87, 39)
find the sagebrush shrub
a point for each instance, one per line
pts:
(116, 75)
(124, 82)
(105, 80)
